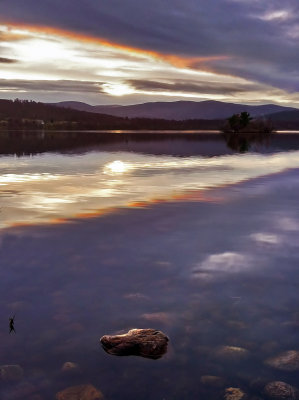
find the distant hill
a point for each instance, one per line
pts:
(178, 110)
(288, 120)
(36, 110)
(23, 114)
(285, 116)
(80, 106)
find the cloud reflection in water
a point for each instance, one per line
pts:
(61, 186)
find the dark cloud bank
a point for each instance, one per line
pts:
(187, 87)
(4, 60)
(179, 86)
(51, 86)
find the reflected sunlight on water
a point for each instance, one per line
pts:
(49, 186)
(82, 184)
(7, 179)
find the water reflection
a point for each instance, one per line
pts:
(117, 167)
(220, 279)
(181, 144)
(243, 143)
(7, 179)
(53, 186)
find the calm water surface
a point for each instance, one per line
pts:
(193, 234)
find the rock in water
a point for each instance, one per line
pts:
(231, 353)
(280, 391)
(70, 367)
(234, 394)
(81, 392)
(211, 380)
(11, 372)
(287, 361)
(148, 343)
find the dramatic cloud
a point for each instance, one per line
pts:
(192, 87)
(49, 86)
(252, 40)
(4, 60)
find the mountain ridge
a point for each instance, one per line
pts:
(177, 110)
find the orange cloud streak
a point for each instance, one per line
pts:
(11, 37)
(178, 61)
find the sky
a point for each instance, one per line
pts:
(134, 51)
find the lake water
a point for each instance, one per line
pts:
(190, 233)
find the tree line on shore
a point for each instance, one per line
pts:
(24, 114)
(30, 115)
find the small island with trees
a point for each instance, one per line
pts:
(240, 131)
(244, 123)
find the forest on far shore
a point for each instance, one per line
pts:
(25, 114)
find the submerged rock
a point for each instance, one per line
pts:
(287, 361)
(81, 392)
(258, 384)
(234, 394)
(23, 390)
(280, 390)
(11, 372)
(231, 353)
(148, 343)
(70, 367)
(162, 317)
(211, 380)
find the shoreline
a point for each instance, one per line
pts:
(146, 131)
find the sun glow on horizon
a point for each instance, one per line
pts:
(40, 49)
(94, 69)
(117, 89)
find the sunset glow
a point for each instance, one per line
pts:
(149, 161)
(117, 89)
(96, 70)
(134, 179)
